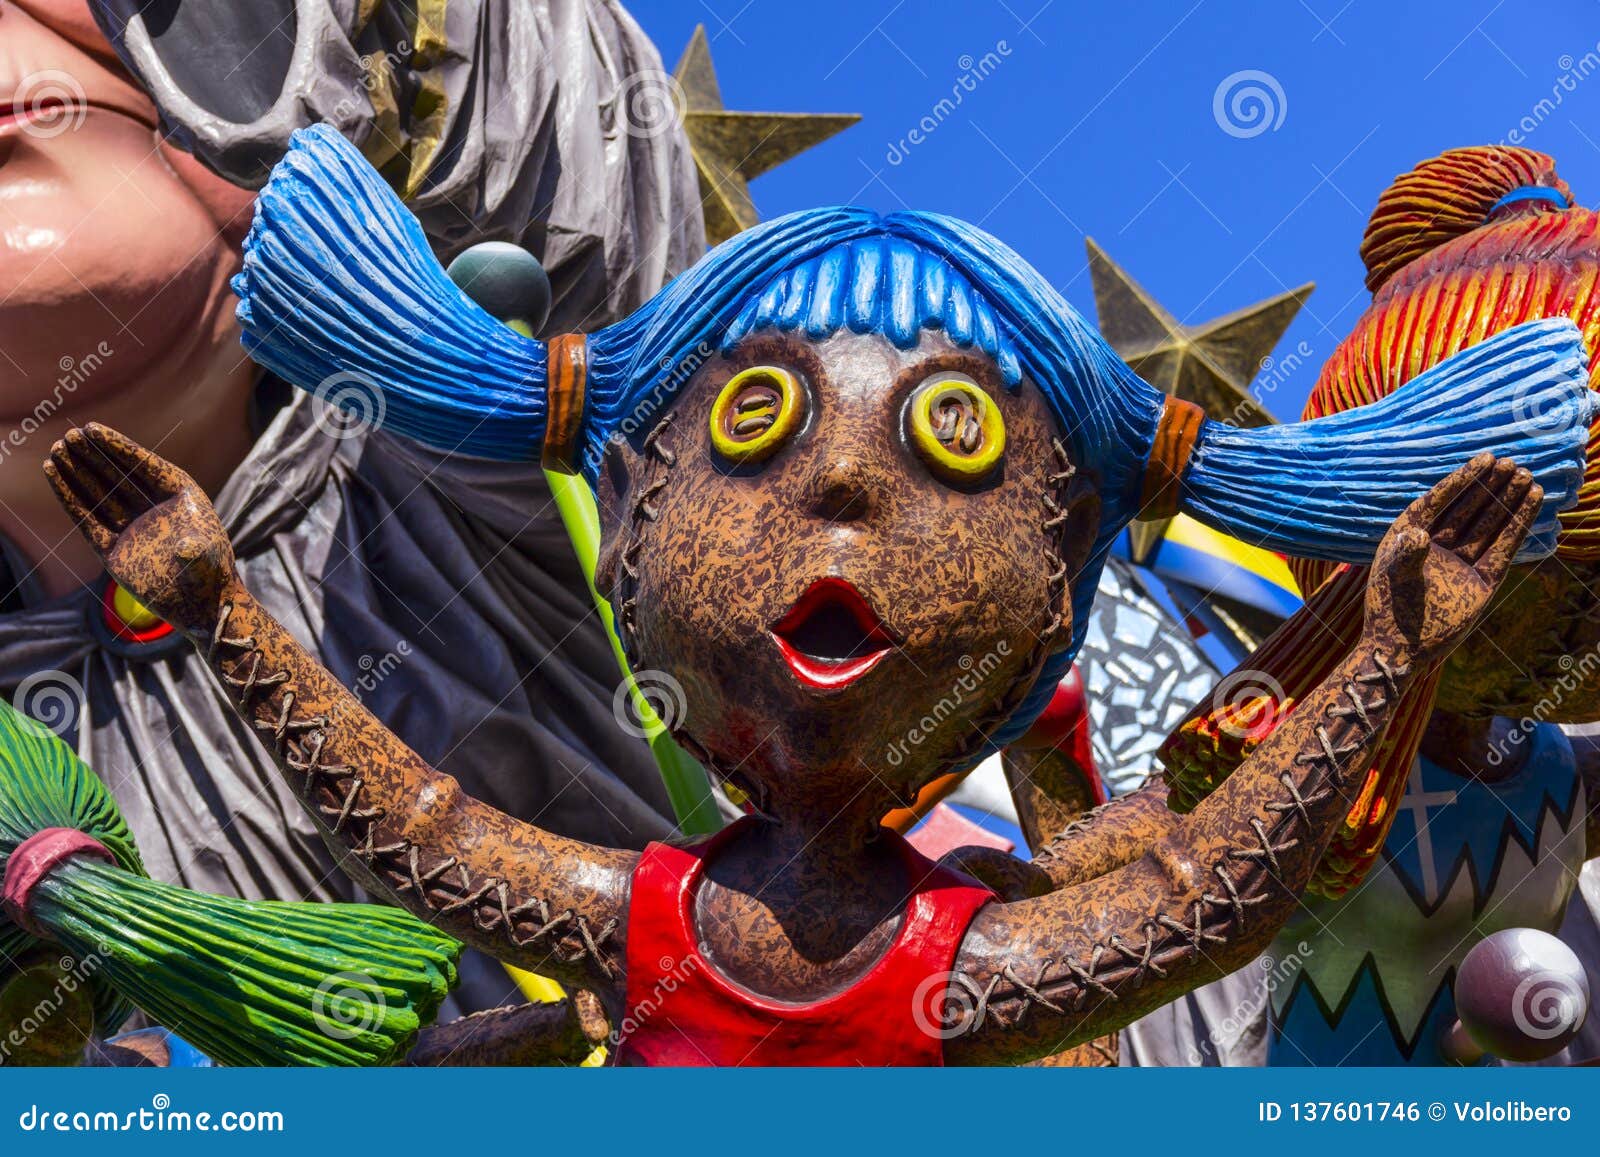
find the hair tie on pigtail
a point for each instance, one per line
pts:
(565, 381)
(1177, 432)
(1530, 193)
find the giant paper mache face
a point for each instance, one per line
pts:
(852, 558)
(115, 248)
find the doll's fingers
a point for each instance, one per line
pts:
(1496, 560)
(1430, 508)
(1470, 524)
(1460, 521)
(68, 454)
(1497, 515)
(89, 487)
(157, 477)
(113, 496)
(98, 535)
(1399, 578)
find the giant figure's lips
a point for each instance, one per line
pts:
(56, 112)
(831, 636)
(16, 116)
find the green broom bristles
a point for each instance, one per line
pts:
(43, 784)
(246, 982)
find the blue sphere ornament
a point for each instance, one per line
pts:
(507, 282)
(1522, 994)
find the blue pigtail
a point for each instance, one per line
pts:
(1330, 488)
(340, 295)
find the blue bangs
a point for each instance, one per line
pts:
(878, 285)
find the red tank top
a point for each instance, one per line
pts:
(682, 1011)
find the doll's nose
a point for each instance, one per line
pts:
(843, 491)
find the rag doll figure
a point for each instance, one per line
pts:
(842, 463)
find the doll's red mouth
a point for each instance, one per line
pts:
(831, 636)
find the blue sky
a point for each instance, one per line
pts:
(1099, 119)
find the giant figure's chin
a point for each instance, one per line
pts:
(110, 266)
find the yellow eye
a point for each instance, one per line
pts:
(756, 413)
(956, 428)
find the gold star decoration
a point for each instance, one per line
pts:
(1211, 365)
(733, 148)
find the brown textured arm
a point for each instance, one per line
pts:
(1110, 836)
(1098, 841)
(560, 1032)
(538, 900)
(1215, 888)
(1205, 898)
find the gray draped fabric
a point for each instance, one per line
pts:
(549, 123)
(441, 590)
(1225, 1023)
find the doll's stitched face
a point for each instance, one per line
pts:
(115, 249)
(847, 602)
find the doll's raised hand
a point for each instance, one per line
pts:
(1442, 560)
(153, 526)
(1175, 901)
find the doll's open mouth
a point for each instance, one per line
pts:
(831, 636)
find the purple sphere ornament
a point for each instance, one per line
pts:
(1522, 994)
